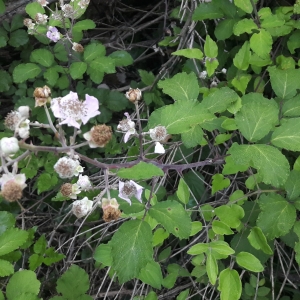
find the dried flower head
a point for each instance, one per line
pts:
(78, 47)
(12, 186)
(82, 207)
(98, 136)
(14, 118)
(42, 95)
(9, 146)
(134, 95)
(84, 182)
(41, 19)
(28, 23)
(66, 167)
(72, 111)
(111, 210)
(70, 190)
(129, 189)
(43, 2)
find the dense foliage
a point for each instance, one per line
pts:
(150, 150)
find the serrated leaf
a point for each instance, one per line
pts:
(287, 135)
(249, 261)
(261, 43)
(173, 217)
(192, 137)
(18, 38)
(121, 58)
(256, 118)
(77, 69)
(103, 64)
(44, 182)
(11, 240)
(151, 274)
(210, 47)
(5, 81)
(212, 267)
(242, 58)
(84, 25)
(73, 283)
(244, 25)
(292, 185)
(258, 240)
(51, 76)
(211, 64)
(271, 164)
(272, 21)
(116, 101)
(224, 29)
(240, 82)
(103, 254)
(221, 228)
(220, 100)
(132, 243)
(23, 72)
(294, 41)
(25, 281)
(183, 192)
(230, 285)
(277, 215)
(291, 107)
(140, 171)
(180, 116)
(189, 53)
(7, 220)
(96, 76)
(244, 5)
(284, 82)
(231, 215)
(33, 8)
(146, 77)
(93, 51)
(207, 11)
(182, 87)
(42, 56)
(219, 183)
(6, 268)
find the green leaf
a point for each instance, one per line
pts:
(35, 260)
(60, 52)
(43, 57)
(211, 64)
(2, 11)
(151, 296)
(45, 182)
(23, 72)
(196, 228)
(244, 25)
(212, 268)
(116, 101)
(240, 82)
(271, 164)
(261, 43)
(84, 25)
(230, 285)
(93, 51)
(7, 220)
(258, 240)
(192, 137)
(231, 215)
(146, 77)
(242, 58)
(287, 135)
(51, 75)
(224, 29)
(151, 274)
(210, 47)
(183, 295)
(180, 116)
(159, 236)
(183, 192)
(257, 61)
(18, 38)
(103, 255)
(103, 64)
(222, 138)
(182, 86)
(291, 107)
(173, 217)
(6, 268)
(23, 281)
(132, 243)
(284, 82)
(294, 41)
(189, 53)
(272, 21)
(73, 283)
(140, 171)
(40, 245)
(220, 247)
(77, 69)
(33, 8)
(5, 81)
(219, 183)
(122, 58)
(11, 240)
(277, 215)
(292, 185)
(207, 11)
(221, 228)
(244, 5)
(95, 75)
(249, 261)
(220, 100)
(198, 249)
(256, 118)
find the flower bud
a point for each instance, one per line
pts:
(84, 182)
(98, 136)
(134, 95)
(78, 47)
(110, 209)
(9, 146)
(42, 95)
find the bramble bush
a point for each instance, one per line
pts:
(150, 169)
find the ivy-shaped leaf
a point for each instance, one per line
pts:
(131, 249)
(277, 215)
(271, 164)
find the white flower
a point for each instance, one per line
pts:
(159, 148)
(41, 19)
(12, 186)
(203, 74)
(134, 95)
(158, 134)
(84, 182)
(128, 189)
(66, 167)
(82, 207)
(224, 71)
(23, 130)
(19, 179)
(43, 2)
(9, 146)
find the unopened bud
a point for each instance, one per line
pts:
(9, 146)
(134, 95)
(78, 47)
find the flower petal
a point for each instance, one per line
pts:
(159, 148)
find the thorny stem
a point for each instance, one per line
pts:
(140, 128)
(107, 183)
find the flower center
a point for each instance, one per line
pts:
(74, 109)
(129, 189)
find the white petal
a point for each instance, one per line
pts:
(159, 148)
